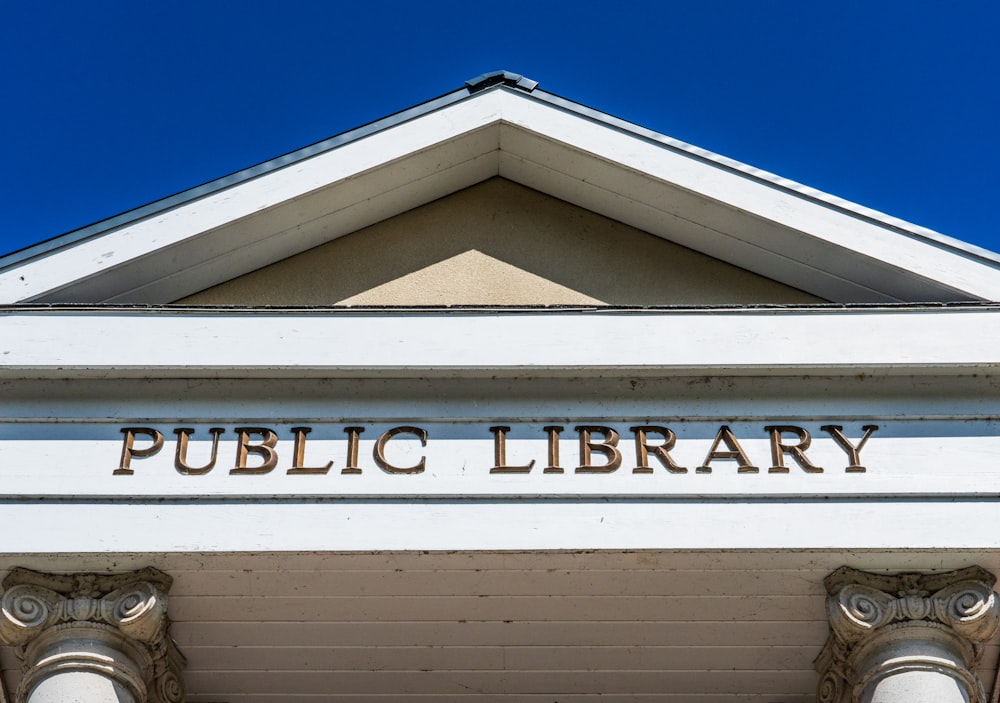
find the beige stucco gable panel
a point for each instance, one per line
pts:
(499, 243)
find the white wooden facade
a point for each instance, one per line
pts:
(438, 557)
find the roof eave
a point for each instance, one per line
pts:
(831, 248)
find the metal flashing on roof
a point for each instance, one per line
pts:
(486, 80)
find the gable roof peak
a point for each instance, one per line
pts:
(501, 124)
(509, 78)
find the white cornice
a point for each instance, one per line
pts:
(123, 343)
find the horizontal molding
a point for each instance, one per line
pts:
(67, 343)
(410, 525)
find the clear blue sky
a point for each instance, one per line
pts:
(109, 105)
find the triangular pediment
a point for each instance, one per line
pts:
(741, 229)
(499, 243)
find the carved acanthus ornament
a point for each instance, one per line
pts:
(886, 625)
(112, 625)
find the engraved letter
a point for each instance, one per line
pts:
(500, 454)
(609, 448)
(553, 467)
(180, 456)
(379, 452)
(353, 433)
(299, 455)
(726, 437)
(796, 451)
(129, 451)
(264, 449)
(660, 451)
(853, 453)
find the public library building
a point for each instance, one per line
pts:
(500, 399)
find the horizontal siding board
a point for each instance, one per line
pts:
(282, 634)
(820, 561)
(595, 582)
(488, 608)
(334, 658)
(487, 682)
(516, 698)
(687, 657)
(458, 658)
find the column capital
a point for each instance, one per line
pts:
(881, 625)
(112, 624)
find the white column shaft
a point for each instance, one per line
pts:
(916, 687)
(85, 662)
(79, 687)
(914, 664)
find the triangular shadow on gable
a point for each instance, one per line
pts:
(500, 243)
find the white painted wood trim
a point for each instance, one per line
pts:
(814, 220)
(812, 233)
(182, 224)
(409, 525)
(122, 343)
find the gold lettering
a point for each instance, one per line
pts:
(379, 451)
(180, 456)
(129, 450)
(853, 452)
(796, 451)
(726, 436)
(265, 449)
(299, 455)
(553, 467)
(609, 448)
(500, 454)
(353, 433)
(660, 451)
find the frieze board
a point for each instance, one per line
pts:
(558, 458)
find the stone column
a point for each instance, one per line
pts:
(907, 638)
(92, 638)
